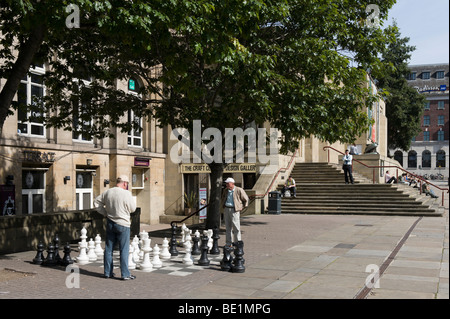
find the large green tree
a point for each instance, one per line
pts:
(299, 65)
(404, 105)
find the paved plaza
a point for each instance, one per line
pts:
(287, 256)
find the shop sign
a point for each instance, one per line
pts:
(230, 168)
(141, 161)
(38, 157)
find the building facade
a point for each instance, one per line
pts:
(429, 152)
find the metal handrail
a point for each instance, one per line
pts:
(190, 215)
(421, 179)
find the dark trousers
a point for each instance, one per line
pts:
(348, 173)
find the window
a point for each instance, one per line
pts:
(426, 136)
(440, 158)
(441, 105)
(426, 120)
(137, 178)
(84, 191)
(441, 135)
(81, 122)
(426, 158)
(427, 106)
(135, 134)
(440, 74)
(440, 119)
(398, 156)
(412, 159)
(31, 123)
(33, 191)
(412, 76)
(425, 75)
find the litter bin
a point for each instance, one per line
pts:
(275, 203)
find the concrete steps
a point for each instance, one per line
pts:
(321, 190)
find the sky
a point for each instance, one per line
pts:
(426, 23)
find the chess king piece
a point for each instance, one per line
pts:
(225, 263)
(91, 254)
(98, 246)
(146, 265)
(215, 246)
(50, 260)
(238, 262)
(187, 259)
(39, 258)
(165, 254)
(173, 241)
(66, 260)
(156, 260)
(204, 261)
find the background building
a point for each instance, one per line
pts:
(429, 151)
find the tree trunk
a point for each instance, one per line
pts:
(213, 214)
(27, 51)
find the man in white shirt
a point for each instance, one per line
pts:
(117, 204)
(347, 167)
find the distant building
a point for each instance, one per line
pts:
(429, 151)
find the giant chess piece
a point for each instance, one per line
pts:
(215, 246)
(50, 260)
(146, 265)
(98, 246)
(173, 242)
(39, 259)
(131, 264)
(91, 253)
(156, 261)
(196, 249)
(66, 260)
(238, 262)
(187, 259)
(204, 261)
(83, 258)
(56, 244)
(225, 263)
(165, 254)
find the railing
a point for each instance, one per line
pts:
(420, 178)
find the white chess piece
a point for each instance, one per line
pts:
(91, 254)
(210, 240)
(187, 238)
(156, 261)
(83, 258)
(136, 250)
(187, 259)
(165, 254)
(143, 235)
(183, 233)
(98, 248)
(146, 265)
(131, 264)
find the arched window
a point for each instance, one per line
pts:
(426, 158)
(440, 158)
(398, 156)
(412, 159)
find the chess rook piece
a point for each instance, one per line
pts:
(173, 242)
(196, 249)
(238, 262)
(50, 260)
(215, 246)
(204, 261)
(39, 259)
(66, 260)
(56, 244)
(225, 263)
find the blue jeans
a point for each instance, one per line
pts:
(116, 233)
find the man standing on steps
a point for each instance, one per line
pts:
(347, 167)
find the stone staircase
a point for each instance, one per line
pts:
(321, 189)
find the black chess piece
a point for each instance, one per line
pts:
(238, 262)
(39, 259)
(50, 260)
(195, 248)
(56, 244)
(225, 263)
(67, 260)
(173, 242)
(215, 247)
(204, 261)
